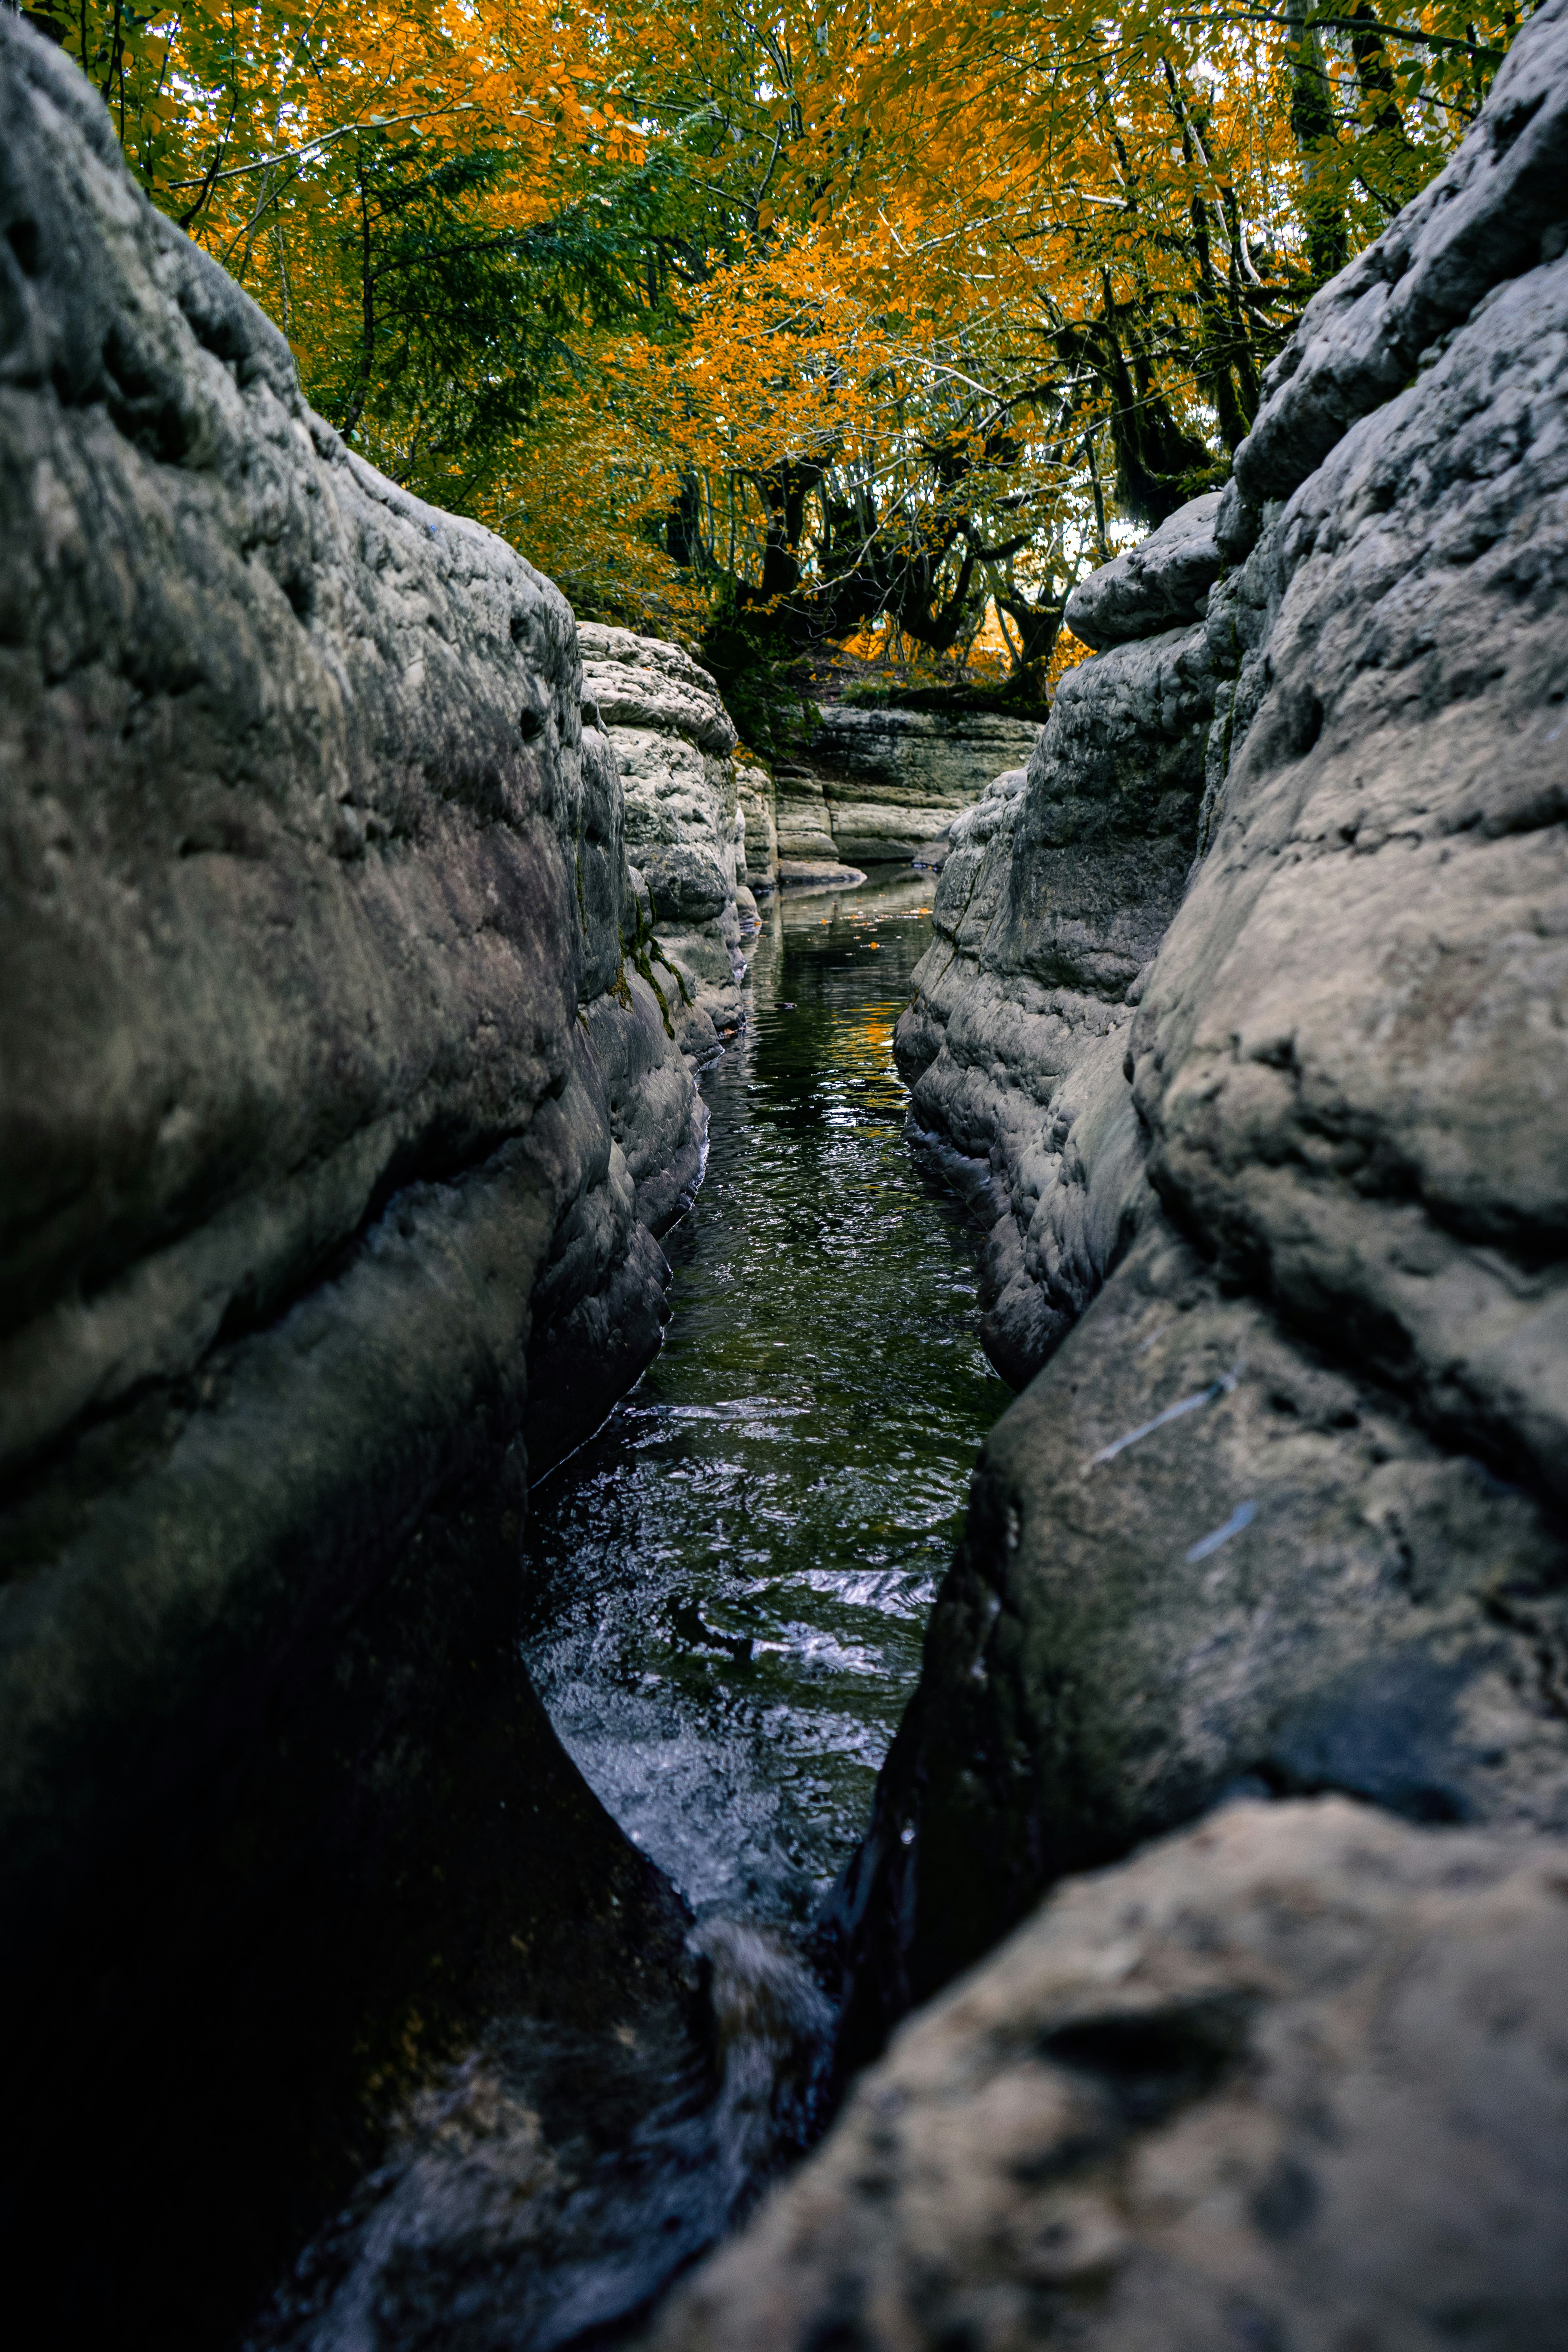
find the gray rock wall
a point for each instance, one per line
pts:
(328, 1112)
(1055, 895)
(893, 779)
(1280, 1216)
(804, 828)
(1243, 1029)
(760, 841)
(685, 828)
(876, 787)
(1291, 2078)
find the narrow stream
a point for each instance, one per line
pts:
(725, 1592)
(726, 1588)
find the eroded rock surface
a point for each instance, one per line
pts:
(1162, 584)
(685, 826)
(1055, 895)
(878, 786)
(893, 780)
(760, 841)
(1243, 1031)
(1347, 1056)
(1283, 1506)
(1296, 2077)
(1200, 1558)
(327, 1105)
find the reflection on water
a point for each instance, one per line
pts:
(727, 1587)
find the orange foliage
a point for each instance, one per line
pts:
(831, 310)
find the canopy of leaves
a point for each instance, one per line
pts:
(791, 322)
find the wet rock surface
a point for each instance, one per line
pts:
(1295, 2078)
(818, 874)
(329, 1116)
(547, 2184)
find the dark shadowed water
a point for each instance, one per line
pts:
(727, 1588)
(725, 1595)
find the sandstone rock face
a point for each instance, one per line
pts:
(328, 1105)
(1271, 1145)
(876, 786)
(685, 827)
(1162, 584)
(1054, 895)
(760, 839)
(1295, 2078)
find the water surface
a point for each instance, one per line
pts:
(727, 1588)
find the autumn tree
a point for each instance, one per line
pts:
(779, 321)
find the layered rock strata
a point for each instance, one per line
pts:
(804, 827)
(1057, 887)
(877, 786)
(334, 1130)
(893, 779)
(1281, 1208)
(760, 837)
(685, 827)
(1294, 2077)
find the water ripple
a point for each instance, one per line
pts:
(727, 1589)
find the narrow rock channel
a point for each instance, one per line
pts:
(725, 1596)
(727, 1588)
(402, 1952)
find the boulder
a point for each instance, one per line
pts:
(653, 687)
(1295, 2077)
(1162, 584)
(1198, 1558)
(310, 916)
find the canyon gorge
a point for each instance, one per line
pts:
(1124, 1891)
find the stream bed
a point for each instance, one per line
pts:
(726, 1588)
